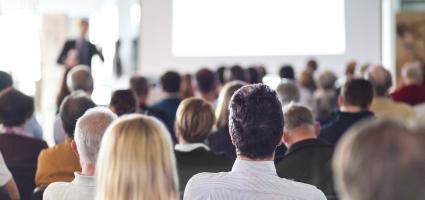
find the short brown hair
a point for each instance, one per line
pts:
(357, 92)
(194, 120)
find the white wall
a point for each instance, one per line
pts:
(363, 33)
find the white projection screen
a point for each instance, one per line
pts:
(186, 35)
(258, 27)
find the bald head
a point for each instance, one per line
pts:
(412, 74)
(380, 79)
(80, 78)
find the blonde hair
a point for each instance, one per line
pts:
(222, 110)
(136, 161)
(194, 120)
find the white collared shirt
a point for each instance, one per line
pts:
(190, 147)
(249, 180)
(81, 188)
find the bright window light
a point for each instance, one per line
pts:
(258, 27)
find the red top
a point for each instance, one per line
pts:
(412, 94)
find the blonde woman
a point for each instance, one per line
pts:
(136, 161)
(219, 141)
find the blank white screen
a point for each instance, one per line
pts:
(204, 28)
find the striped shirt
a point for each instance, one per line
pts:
(249, 180)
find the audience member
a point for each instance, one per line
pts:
(89, 131)
(194, 122)
(287, 72)
(308, 159)
(262, 72)
(288, 92)
(413, 90)
(380, 160)
(252, 75)
(63, 91)
(219, 141)
(7, 183)
(78, 78)
(382, 104)
(364, 70)
(123, 102)
(186, 86)
(206, 83)
(307, 86)
(170, 83)
(32, 126)
(354, 102)
(136, 161)
(325, 98)
(220, 74)
(58, 163)
(237, 73)
(19, 149)
(312, 65)
(256, 127)
(349, 73)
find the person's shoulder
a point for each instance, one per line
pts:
(303, 190)
(57, 149)
(55, 189)
(206, 179)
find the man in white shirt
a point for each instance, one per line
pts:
(88, 135)
(256, 128)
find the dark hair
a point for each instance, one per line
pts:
(170, 82)
(287, 71)
(312, 64)
(63, 92)
(5, 80)
(237, 73)
(252, 75)
(139, 85)
(380, 78)
(256, 121)
(220, 74)
(15, 108)
(72, 108)
(205, 79)
(123, 102)
(357, 92)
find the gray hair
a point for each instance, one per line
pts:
(296, 115)
(413, 72)
(380, 79)
(89, 132)
(80, 78)
(327, 80)
(288, 91)
(380, 159)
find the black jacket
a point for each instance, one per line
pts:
(71, 44)
(310, 161)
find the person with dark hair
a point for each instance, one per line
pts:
(58, 163)
(312, 65)
(123, 102)
(252, 75)
(220, 73)
(380, 159)
(170, 83)
(186, 87)
(325, 98)
(382, 104)
(287, 72)
(308, 159)
(5, 80)
(256, 128)
(85, 50)
(237, 73)
(19, 149)
(354, 103)
(194, 122)
(207, 85)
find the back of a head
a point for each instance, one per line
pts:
(5, 80)
(312, 65)
(136, 161)
(139, 85)
(327, 80)
(380, 160)
(170, 82)
(288, 92)
(80, 78)
(287, 72)
(237, 73)
(256, 121)
(15, 108)
(194, 120)
(306, 80)
(205, 80)
(222, 110)
(380, 78)
(72, 108)
(412, 73)
(123, 102)
(350, 68)
(357, 92)
(297, 116)
(220, 74)
(253, 76)
(89, 131)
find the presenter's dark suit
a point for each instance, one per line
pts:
(197, 161)
(309, 161)
(86, 50)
